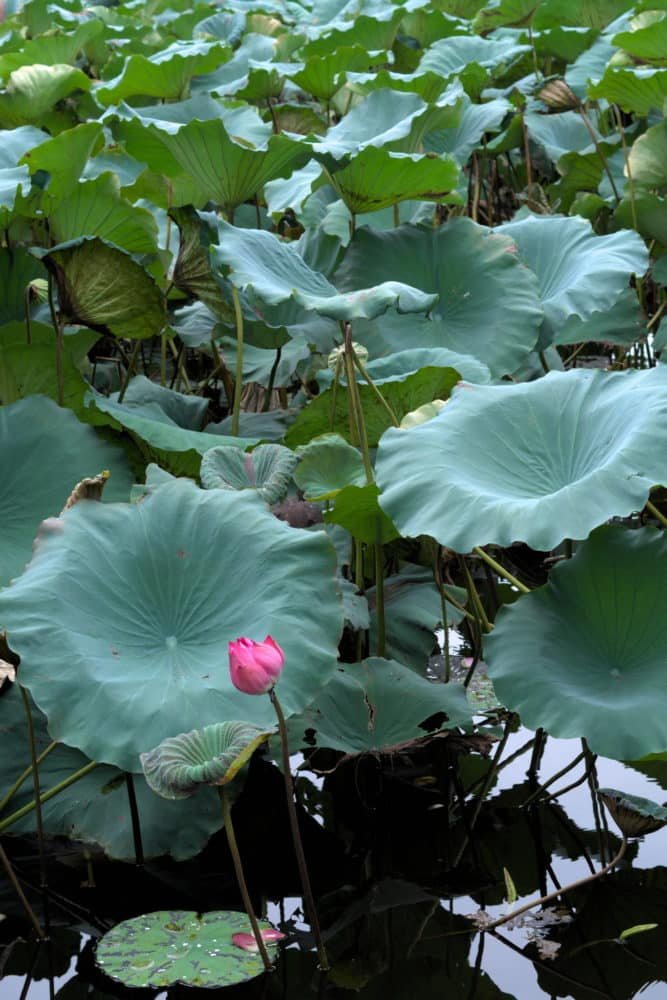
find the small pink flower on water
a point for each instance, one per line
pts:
(248, 943)
(255, 666)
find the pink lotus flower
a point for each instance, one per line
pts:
(255, 666)
(248, 943)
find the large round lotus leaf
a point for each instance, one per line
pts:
(96, 808)
(585, 654)
(489, 302)
(535, 462)
(210, 756)
(175, 946)
(44, 453)
(122, 620)
(267, 470)
(579, 273)
(377, 707)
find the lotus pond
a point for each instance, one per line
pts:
(333, 456)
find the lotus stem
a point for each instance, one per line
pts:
(60, 384)
(355, 403)
(308, 900)
(656, 513)
(134, 816)
(11, 875)
(128, 374)
(266, 406)
(240, 877)
(380, 398)
(24, 776)
(628, 169)
(60, 787)
(500, 570)
(475, 599)
(485, 788)
(163, 359)
(598, 150)
(554, 777)
(551, 896)
(238, 385)
(379, 600)
(334, 393)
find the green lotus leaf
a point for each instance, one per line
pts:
(388, 119)
(175, 946)
(648, 157)
(579, 273)
(376, 707)
(328, 464)
(51, 49)
(30, 369)
(188, 412)
(324, 413)
(413, 611)
(193, 273)
(489, 467)
(595, 641)
(274, 272)
(357, 510)
(141, 629)
(63, 158)
(266, 470)
(105, 288)
(14, 181)
(471, 268)
(463, 139)
(166, 74)
(210, 756)
(373, 32)
(62, 452)
(17, 270)
(226, 166)
(454, 56)
(635, 89)
(160, 423)
(323, 75)
(648, 38)
(96, 208)
(292, 192)
(378, 178)
(32, 91)
(633, 815)
(96, 808)
(398, 365)
(660, 271)
(558, 134)
(623, 324)
(505, 13)
(589, 66)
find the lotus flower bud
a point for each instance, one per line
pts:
(255, 666)
(248, 943)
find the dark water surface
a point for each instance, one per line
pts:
(384, 844)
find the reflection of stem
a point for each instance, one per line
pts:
(60, 787)
(134, 816)
(309, 902)
(484, 789)
(11, 875)
(24, 776)
(238, 385)
(551, 896)
(548, 967)
(554, 777)
(38, 805)
(240, 877)
(500, 570)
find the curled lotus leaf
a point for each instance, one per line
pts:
(535, 462)
(177, 946)
(267, 470)
(210, 756)
(584, 656)
(633, 815)
(126, 614)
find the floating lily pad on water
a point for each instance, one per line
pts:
(634, 816)
(210, 756)
(491, 469)
(176, 946)
(584, 656)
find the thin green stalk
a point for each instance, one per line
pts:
(238, 385)
(628, 168)
(334, 392)
(602, 157)
(272, 377)
(551, 896)
(656, 513)
(475, 599)
(60, 383)
(24, 776)
(500, 570)
(130, 369)
(38, 806)
(378, 395)
(308, 900)
(11, 875)
(443, 613)
(355, 403)
(163, 359)
(484, 789)
(60, 787)
(28, 320)
(379, 600)
(240, 877)
(134, 816)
